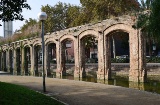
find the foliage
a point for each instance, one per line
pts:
(148, 21)
(28, 23)
(23, 96)
(120, 60)
(155, 18)
(153, 59)
(102, 9)
(16, 37)
(56, 19)
(11, 10)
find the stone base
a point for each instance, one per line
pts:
(82, 74)
(137, 76)
(14, 72)
(136, 85)
(76, 74)
(31, 73)
(137, 79)
(102, 76)
(58, 75)
(22, 73)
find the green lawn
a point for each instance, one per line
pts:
(11, 94)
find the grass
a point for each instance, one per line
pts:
(11, 94)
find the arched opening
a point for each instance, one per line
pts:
(11, 61)
(67, 58)
(118, 56)
(18, 61)
(27, 60)
(4, 61)
(37, 60)
(89, 56)
(51, 59)
(119, 47)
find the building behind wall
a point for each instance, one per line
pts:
(8, 29)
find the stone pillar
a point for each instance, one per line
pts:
(76, 59)
(7, 61)
(15, 63)
(32, 60)
(101, 73)
(58, 58)
(104, 58)
(137, 71)
(22, 62)
(82, 59)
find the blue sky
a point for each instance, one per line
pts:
(36, 5)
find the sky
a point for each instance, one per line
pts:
(35, 9)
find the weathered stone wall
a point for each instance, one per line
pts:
(101, 30)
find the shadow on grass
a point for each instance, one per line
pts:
(11, 94)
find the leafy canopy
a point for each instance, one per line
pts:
(11, 9)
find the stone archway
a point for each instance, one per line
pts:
(50, 56)
(63, 55)
(137, 66)
(91, 34)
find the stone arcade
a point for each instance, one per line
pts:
(21, 50)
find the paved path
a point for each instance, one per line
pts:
(86, 93)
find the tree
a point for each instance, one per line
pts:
(11, 9)
(102, 9)
(155, 17)
(28, 23)
(148, 19)
(56, 17)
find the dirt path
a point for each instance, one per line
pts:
(86, 93)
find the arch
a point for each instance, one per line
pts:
(88, 32)
(37, 41)
(66, 36)
(50, 40)
(26, 45)
(18, 47)
(119, 26)
(4, 49)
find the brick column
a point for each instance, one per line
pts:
(7, 61)
(104, 71)
(14, 62)
(82, 59)
(58, 58)
(76, 59)
(104, 58)
(137, 71)
(32, 60)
